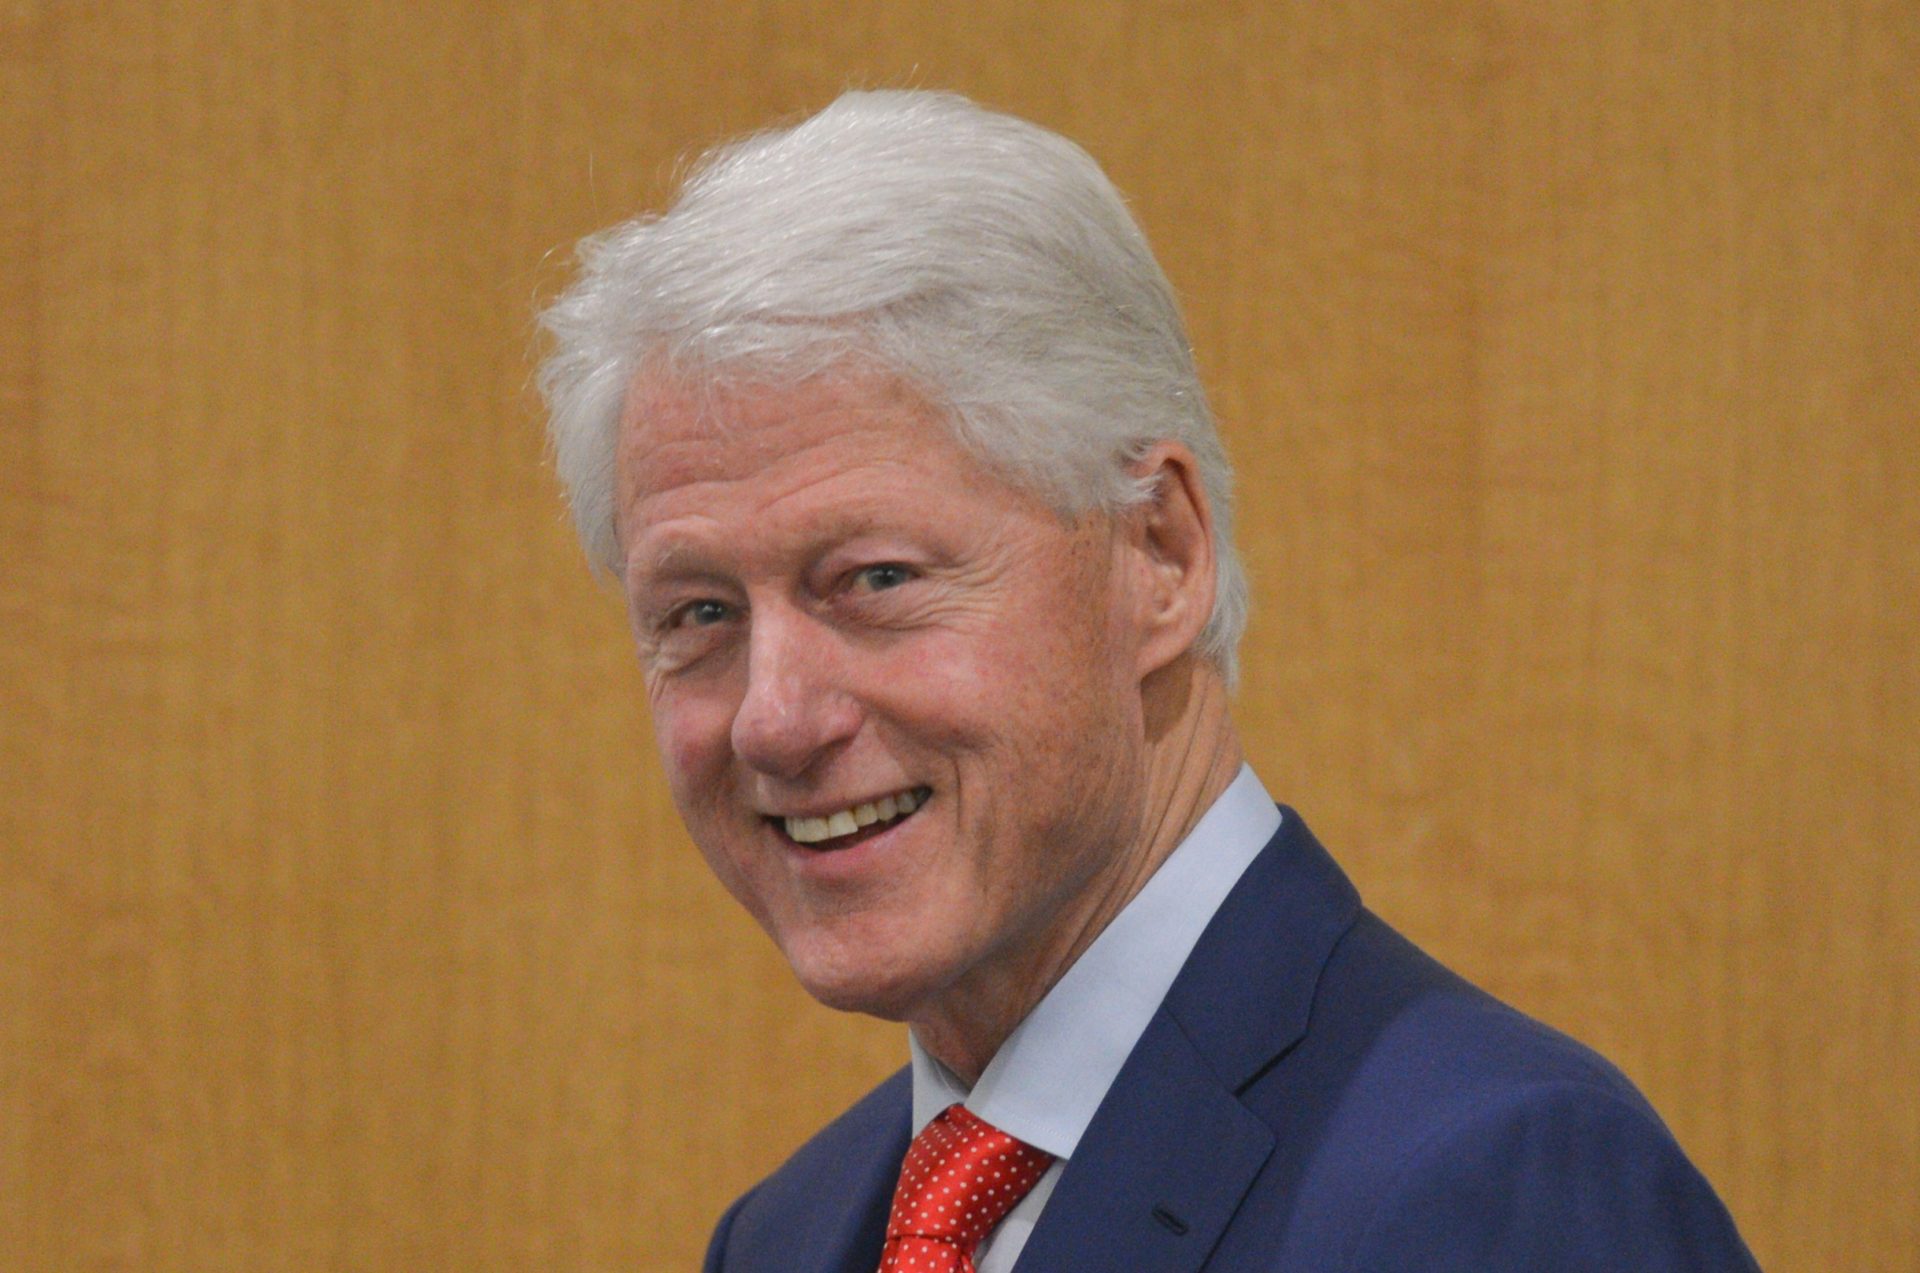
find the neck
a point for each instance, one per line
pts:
(1191, 755)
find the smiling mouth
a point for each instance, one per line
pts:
(858, 822)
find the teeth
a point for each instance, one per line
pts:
(847, 821)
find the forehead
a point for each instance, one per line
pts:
(686, 444)
(674, 431)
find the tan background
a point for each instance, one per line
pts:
(1568, 352)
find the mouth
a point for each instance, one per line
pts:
(847, 827)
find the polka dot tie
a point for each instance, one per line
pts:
(961, 1177)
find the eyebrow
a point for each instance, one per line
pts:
(825, 530)
(672, 559)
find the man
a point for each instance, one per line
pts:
(890, 428)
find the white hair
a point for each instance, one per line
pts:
(985, 260)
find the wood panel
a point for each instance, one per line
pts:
(1567, 355)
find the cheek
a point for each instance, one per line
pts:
(694, 736)
(1035, 707)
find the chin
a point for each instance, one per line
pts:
(857, 981)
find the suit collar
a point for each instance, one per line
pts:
(1172, 1150)
(1245, 993)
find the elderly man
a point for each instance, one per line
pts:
(890, 428)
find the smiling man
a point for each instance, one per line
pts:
(890, 429)
(901, 699)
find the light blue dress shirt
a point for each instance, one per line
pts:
(1051, 1074)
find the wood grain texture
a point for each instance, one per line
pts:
(1567, 354)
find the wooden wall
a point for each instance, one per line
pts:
(1568, 352)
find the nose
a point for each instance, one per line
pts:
(795, 709)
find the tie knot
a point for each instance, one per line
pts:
(960, 1178)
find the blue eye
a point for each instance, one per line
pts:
(882, 577)
(699, 614)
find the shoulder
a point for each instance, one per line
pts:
(1449, 1130)
(1556, 1175)
(831, 1195)
(1429, 1048)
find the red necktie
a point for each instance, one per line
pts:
(961, 1177)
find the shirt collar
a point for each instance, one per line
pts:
(1051, 1074)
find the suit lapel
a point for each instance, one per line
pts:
(848, 1236)
(1245, 993)
(826, 1210)
(1172, 1150)
(1159, 1172)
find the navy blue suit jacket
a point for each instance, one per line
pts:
(1315, 1094)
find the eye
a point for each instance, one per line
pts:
(699, 614)
(880, 577)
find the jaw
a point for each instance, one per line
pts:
(866, 963)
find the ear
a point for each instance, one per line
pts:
(1170, 537)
